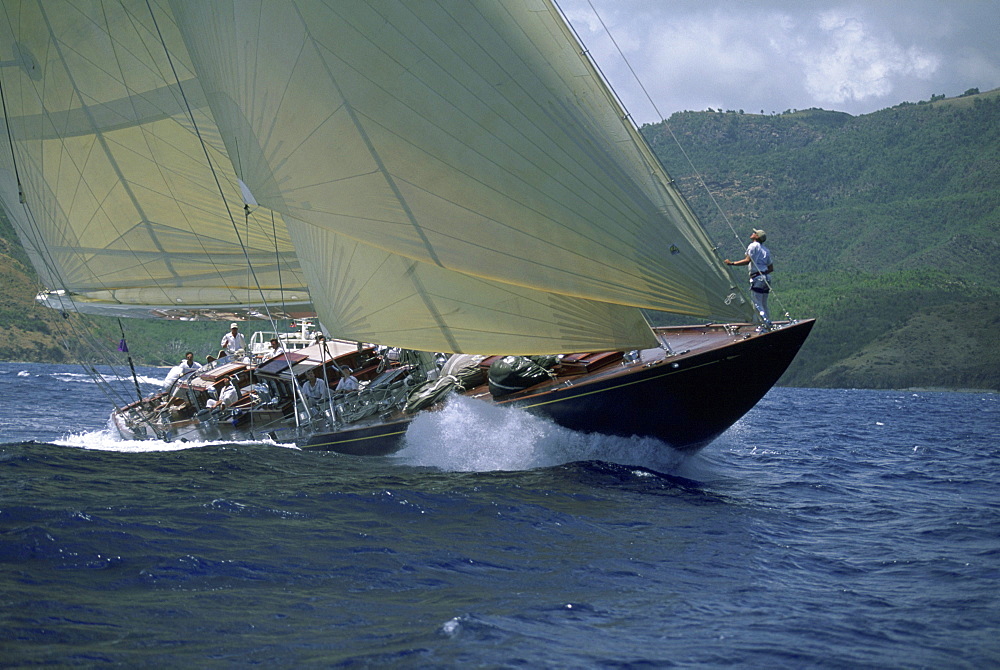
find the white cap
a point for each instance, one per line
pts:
(234, 325)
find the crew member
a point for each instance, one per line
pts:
(348, 382)
(758, 257)
(276, 348)
(315, 390)
(189, 364)
(233, 341)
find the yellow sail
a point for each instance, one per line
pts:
(448, 175)
(374, 296)
(114, 174)
(472, 137)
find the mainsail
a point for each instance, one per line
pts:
(453, 175)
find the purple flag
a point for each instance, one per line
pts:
(122, 346)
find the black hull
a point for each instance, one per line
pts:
(375, 440)
(685, 400)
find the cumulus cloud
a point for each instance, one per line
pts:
(773, 55)
(852, 63)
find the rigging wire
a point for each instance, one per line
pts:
(32, 234)
(116, 396)
(698, 176)
(124, 347)
(39, 244)
(211, 165)
(206, 254)
(277, 262)
(35, 240)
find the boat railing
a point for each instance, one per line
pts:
(383, 394)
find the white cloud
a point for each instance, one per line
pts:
(852, 63)
(774, 55)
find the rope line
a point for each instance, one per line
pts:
(69, 327)
(697, 174)
(211, 165)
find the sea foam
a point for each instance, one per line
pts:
(468, 435)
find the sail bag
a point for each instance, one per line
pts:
(513, 373)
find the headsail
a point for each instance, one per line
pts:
(121, 203)
(453, 175)
(374, 296)
(469, 137)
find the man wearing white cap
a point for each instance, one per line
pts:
(233, 341)
(759, 259)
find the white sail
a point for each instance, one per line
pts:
(374, 296)
(468, 136)
(114, 175)
(452, 175)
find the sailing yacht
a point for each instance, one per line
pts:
(450, 176)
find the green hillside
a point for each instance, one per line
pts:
(884, 227)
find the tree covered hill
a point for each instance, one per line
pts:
(879, 223)
(884, 227)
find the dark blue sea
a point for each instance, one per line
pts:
(827, 529)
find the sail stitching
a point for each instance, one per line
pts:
(114, 396)
(211, 165)
(101, 141)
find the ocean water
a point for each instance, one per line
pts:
(827, 529)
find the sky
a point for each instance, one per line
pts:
(777, 55)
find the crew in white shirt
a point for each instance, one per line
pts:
(315, 390)
(348, 382)
(189, 364)
(275, 350)
(233, 341)
(758, 257)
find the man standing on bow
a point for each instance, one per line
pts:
(759, 259)
(233, 341)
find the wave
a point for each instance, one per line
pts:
(84, 377)
(71, 377)
(472, 436)
(108, 440)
